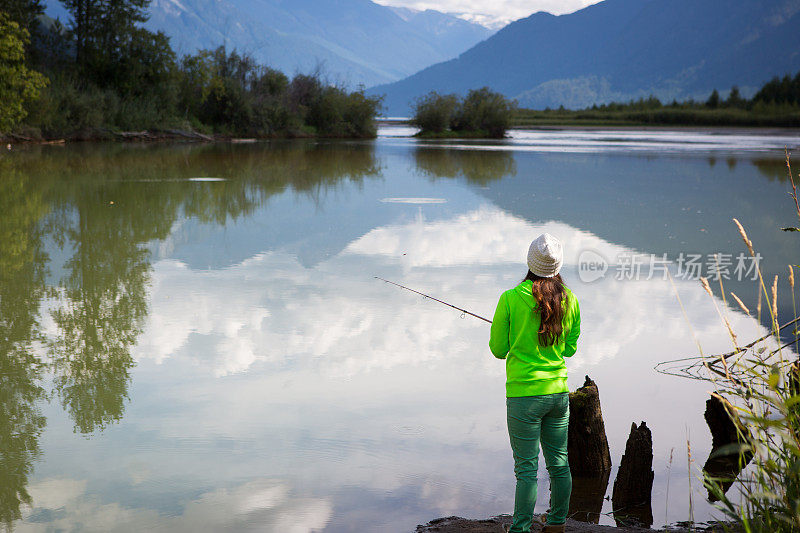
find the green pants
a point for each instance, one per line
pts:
(531, 420)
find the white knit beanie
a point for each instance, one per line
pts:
(545, 256)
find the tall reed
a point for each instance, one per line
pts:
(762, 384)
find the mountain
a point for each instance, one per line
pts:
(621, 49)
(350, 41)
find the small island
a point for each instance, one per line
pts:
(482, 114)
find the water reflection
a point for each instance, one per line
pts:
(22, 286)
(661, 205)
(263, 504)
(98, 208)
(241, 318)
(636, 516)
(476, 166)
(587, 498)
(101, 300)
(773, 169)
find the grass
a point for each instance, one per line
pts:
(784, 117)
(762, 385)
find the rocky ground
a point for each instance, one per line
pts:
(455, 524)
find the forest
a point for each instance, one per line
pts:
(775, 104)
(101, 75)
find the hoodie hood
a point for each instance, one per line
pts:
(524, 292)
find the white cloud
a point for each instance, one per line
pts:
(493, 14)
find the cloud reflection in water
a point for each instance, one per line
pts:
(379, 406)
(260, 505)
(336, 364)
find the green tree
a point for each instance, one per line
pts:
(336, 113)
(780, 91)
(147, 66)
(18, 84)
(735, 98)
(24, 12)
(434, 112)
(103, 30)
(713, 100)
(484, 111)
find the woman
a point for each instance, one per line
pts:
(536, 325)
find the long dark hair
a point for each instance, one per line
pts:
(549, 293)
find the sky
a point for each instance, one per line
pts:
(495, 13)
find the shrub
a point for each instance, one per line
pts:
(67, 106)
(337, 113)
(359, 114)
(484, 111)
(434, 112)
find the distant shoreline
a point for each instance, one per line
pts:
(758, 130)
(588, 126)
(160, 136)
(634, 115)
(156, 136)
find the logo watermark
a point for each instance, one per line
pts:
(591, 266)
(631, 266)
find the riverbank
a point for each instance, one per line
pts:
(455, 524)
(664, 116)
(590, 126)
(154, 136)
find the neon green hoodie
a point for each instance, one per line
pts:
(532, 369)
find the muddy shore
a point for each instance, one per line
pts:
(455, 524)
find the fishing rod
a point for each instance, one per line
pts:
(434, 299)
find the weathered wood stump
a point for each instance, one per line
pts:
(587, 445)
(632, 494)
(725, 461)
(724, 429)
(589, 456)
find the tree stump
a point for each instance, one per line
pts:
(632, 493)
(725, 462)
(587, 445)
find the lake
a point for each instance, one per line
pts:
(194, 338)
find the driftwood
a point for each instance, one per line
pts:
(631, 498)
(160, 135)
(22, 138)
(726, 460)
(190, 135)
(587, 446)
(133, 135)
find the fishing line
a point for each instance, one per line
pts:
(463, 311)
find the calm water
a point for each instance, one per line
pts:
(193, 339)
